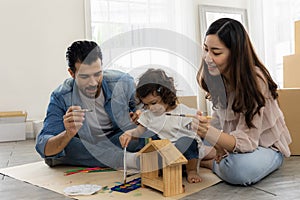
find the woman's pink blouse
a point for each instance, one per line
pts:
(270, 128)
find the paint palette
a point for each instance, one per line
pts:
(128, 187)
(86, 189)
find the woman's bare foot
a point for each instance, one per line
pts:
(207, 163)
(193, 176)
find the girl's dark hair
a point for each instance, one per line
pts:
(85, 52)
(242, 63)
(156, 82)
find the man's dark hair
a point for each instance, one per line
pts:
(83, 52)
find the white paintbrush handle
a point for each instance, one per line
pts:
(125, 166)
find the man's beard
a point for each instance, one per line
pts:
(92, 88)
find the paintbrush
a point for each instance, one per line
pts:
(205, 115)
(83, 110)
(179, 115)
(125, 167)
(185, 115)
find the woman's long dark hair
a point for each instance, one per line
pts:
(248, 98)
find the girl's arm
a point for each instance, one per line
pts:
(126, 137)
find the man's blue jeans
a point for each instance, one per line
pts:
(79, 153)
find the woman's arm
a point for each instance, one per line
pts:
(201, 124)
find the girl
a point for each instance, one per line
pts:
(158, 94)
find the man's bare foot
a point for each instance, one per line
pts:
(207, 163)
(193, 176)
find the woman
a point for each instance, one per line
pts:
(247, 127)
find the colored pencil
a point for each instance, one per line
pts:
(88, 170)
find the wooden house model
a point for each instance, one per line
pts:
(170, 182)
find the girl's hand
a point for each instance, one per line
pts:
(200, 124)
(135, 116)
(125, 138)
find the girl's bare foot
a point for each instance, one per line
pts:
(191, 171)
(193, 176)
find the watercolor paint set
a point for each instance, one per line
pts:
(128, 187)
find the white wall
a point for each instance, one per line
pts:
(34, 36)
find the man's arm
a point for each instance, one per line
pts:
(57, 143)
(73, 121)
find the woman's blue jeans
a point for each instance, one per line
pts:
(248, 168)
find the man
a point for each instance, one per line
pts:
(87, 113)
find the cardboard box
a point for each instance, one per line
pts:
(291, 71)
(12, 132)
(290, 106)
(297, 37)
(190, 101)
(12, 126)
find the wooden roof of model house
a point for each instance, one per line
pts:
(170, 154)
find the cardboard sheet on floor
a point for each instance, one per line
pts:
(41, 175)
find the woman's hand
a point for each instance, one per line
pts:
(220, 154)
(200, 124)
(125, 138)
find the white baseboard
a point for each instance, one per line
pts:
(33, 127)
